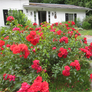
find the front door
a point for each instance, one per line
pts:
(42, 16)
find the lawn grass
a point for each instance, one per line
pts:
(86, 32)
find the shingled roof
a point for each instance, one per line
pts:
(62, 6)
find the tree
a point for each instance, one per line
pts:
(49, 1)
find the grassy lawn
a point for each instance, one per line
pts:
(86, 32)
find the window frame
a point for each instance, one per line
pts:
(34, 16)
(49, 14)
(74, 15)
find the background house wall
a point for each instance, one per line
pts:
(81, 14)
(10, 4)
(18, 5)
(60, 14)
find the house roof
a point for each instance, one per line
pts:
(63, 6)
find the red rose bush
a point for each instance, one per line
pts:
(32, 57)
(37, 86)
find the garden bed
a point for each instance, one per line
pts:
(48, 58)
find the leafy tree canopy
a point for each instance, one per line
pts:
(83, 3)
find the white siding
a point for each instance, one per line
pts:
(18, 4)
(60, 13)
(81, 14)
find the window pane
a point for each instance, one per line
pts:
(26, 10)
(70, 17)
(49, 16)
(35, 16)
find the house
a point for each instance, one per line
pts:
(39, 12)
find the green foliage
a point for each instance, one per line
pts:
(47, 1)
(49, 60)
(86, 32)
(89, 20)
(86, 25)
(78, 23)
(20, 17)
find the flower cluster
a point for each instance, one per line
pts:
(34, 24)
(59, 32)
(24, 87)
(70, 32)
(62, 52)
(20, 48)
(19, 25)
(75, 64)
(1, 44)
(66, 72)
(37, 86)
(10, 77)
(71, 22)
(6, 38)
(77, 34)
(85, 40)
(88, 54)
(90, 48)
(33, 38)
(54, 40)
(16, 29)
(65, 39)
(54, 48)
(30, 29)
(10, 18)
(36, 66)
(91, 76)
(8, 45)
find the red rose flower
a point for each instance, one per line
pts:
(38, 79)
(12, 46)
(65, 39)
(34, 24)
(54, 48)
(10, 18)
(16, 50)
(44, 87)
(35, 87)
(90, 76)
(2, 43)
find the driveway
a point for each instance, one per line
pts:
(89, 38)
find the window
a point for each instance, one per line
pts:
(31, 13)
(55, 15)
(26, 10)
(5, 14)
(49, 16)
(35, 16)
(70, 17)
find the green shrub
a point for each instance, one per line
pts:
(78, 23)
(89, 20)
(57, 45)
(86, 25)
(20, 17)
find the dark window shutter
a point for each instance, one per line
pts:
(66, 17)
(5, 14)
(75, 17)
